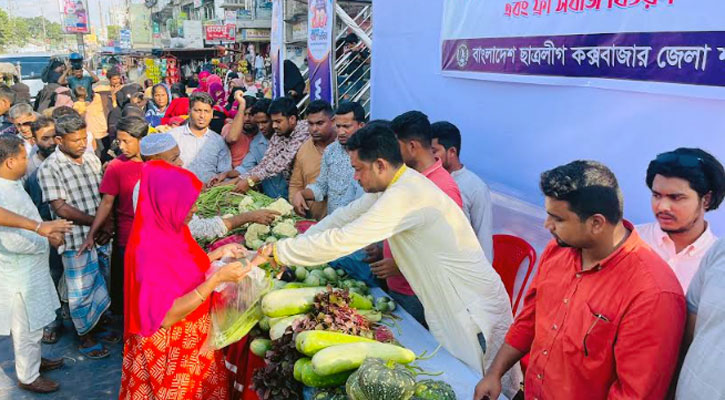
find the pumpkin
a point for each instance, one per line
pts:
(380, 380)
(430, 389)
(329, 394)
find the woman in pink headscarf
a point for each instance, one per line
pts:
(167, 294)
(203, 83)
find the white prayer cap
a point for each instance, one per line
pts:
(157, 143)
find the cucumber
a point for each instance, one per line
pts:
(347, 357)
(310, 342)
(260, 346)
(285, 302)
(303, 369)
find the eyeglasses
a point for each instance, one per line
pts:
(683, 160)
(26, 123)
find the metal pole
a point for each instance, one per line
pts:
(81, 45)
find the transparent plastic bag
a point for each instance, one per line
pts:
(236, 307)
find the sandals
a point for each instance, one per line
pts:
(109, 337)
(51, 335)
(98, 348)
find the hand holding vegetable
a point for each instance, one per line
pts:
(233, 272)
(216, 179)
(264, 217)
(385, 268)
(231, 250)
(374, 253)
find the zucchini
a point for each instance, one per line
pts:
(310, 342)
(346, 357)
(286, 302)
(304, 373)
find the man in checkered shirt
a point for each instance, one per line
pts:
(69, 179)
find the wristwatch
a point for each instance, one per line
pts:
(250, 182)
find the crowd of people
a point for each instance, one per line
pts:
(99, 223)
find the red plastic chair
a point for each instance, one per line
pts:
(509, 252)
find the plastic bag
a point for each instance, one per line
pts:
(236, 308)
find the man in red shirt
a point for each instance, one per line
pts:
(605, 315)
(414, 135)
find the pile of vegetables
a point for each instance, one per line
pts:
(331, 339)
(222, 201)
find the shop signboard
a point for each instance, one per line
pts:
(320, 43)
(220, 33)
(74, 16)
(253, 34)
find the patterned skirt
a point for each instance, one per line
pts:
(169, 366)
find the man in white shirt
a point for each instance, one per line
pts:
(685, 183)
(466, 305)
(203, 151)
(29, 297)
(477, 203)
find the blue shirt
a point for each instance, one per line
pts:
(275, 186)
(336, 180)
(85, 81)
(205, 155)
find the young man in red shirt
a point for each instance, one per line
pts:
(605, 315)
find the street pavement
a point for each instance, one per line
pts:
(80, 378)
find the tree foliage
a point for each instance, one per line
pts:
(20, 31)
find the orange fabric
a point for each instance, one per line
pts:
(240, 148)
(305, 171)
(611, 332)
(169, 366)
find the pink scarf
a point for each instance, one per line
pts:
(163, 262)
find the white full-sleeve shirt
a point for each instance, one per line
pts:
(436, 250)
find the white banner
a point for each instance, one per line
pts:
(660, 46)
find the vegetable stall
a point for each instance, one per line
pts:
(322, 334)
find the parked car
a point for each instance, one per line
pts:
(31, 68)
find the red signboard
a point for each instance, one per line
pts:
(220, 33)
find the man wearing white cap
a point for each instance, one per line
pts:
(162, 146)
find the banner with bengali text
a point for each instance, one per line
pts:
(657, 46)
(319, 49)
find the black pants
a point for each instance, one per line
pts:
(116, 285)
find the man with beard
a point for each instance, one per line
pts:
(70, 178)
(307, 161)
(44, 131)
(604, 317)
(203, 151)
(239, 133)
(685, 184)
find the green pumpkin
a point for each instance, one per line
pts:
(430, 389)
(352, 388)
(381, 380)
(329, 394)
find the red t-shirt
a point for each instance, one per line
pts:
(611, 332)
(443, 179)
(120, 178)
